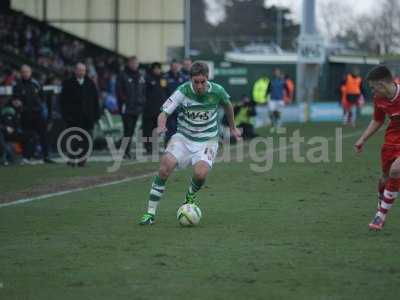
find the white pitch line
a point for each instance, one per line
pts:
(46, 196)
(26, 200)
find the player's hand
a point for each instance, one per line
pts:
(236, 133)
(161, 129)
(359, 145)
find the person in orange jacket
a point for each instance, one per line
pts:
(351, 96)
(288, 94)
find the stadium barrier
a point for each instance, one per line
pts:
(52, 89)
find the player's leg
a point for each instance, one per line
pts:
(276, 118)
(279, 110)
(271, 109)
(350, 117)
(261, 118)
(392, 186)
(167, 166)
(346, 109)
(200, 172)
(381, 187)
(344, 119)
(353, 114)
(272, 119)
(202, 162)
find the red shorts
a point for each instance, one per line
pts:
(389, 154)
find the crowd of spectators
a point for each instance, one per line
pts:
(56, 51)
(53, 110)
(58, 59)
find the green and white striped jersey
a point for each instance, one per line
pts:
(197, 114)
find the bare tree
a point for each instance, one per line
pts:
(388, 26)
(377, 33)
(333, 18)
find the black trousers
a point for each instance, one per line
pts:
(36, 123)
(5, 153)
(172, 126)
(129, 123)
(247, 130)
(149, 123)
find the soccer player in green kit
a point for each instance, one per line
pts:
(196, 140)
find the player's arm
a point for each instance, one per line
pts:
(373, 127)
(377, 121)
(168, 108)
(162, 122)
(228, 108)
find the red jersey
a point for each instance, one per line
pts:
(391, 108)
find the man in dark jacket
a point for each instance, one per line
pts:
(33, 117)
(11, 132)
(130, 96)
(186, 65)
(155, 97)
(79, 104)
(174, 79)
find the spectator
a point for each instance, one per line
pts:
(289, 90)
(244, 112)
(109, 102)
(276, 90)
(174, 78)
(79, 103)
(261, 98)
(10, 77)
(11, 132)
(186, 65)
(352, 95)
(92, 73)
(155, 97)
(5, 152)
(130, 97)
(33, 118)
(56, 125)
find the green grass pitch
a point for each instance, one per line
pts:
(298, 231)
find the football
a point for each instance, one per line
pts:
(189, 215)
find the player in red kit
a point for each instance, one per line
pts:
(386, 103)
